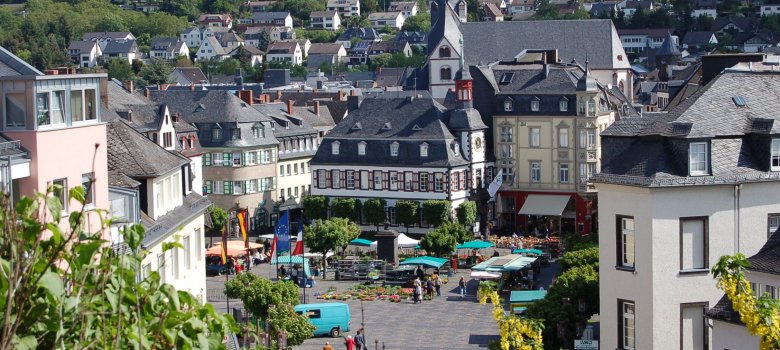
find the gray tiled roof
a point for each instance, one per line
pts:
(576, 39)
(193, 74)
(743, 23)
(445, 27)
(697, 38)
(210, 109)
(10, 64)
(530, 79)
(324, 48)
(105, 35)
(654, 152)
(368, 34)
(120, 46)
(136, 156)
(767, 260)
(168, 224)
(82, 45)
(382, 120)
(269, 15)
(118, 179)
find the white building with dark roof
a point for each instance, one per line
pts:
(404, 146)
(121, 49)
(85, 53)
(102, 38)
(285, 51)
(345, 8)
(168, 48)
(676, 192)
(379, 20)
(329, 20)
(408, 8)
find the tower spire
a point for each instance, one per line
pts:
(462, 54)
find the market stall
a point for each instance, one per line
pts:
(427, 261)
(515, 270)
(519, 300)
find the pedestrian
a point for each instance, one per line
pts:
(327, 346)
(420, 273)
(462, 286)
(437, 284)
(350, 343)
(360, 342)
(230, 266)
(282, 272)
(294, 274)
(417, 290)
(429, 287)
(495, 253)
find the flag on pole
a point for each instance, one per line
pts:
(496, 183)
(281, 237)
(273, 250)
(242, 224)
(224, 253)
(299, 243)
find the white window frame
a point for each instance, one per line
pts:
(774, 158)
(377, 179)
(536, 171)
(423, 182)
(350, 179)
(563, 173)
(361, 148)
(507, 134)
(563, 137)
(773, 224)
(393, 181)
(322, 182)
(563, 105)
(535, 105)
(534, 137)
(508, 105)
(394, 149)
(335, 148)
(424, 149)
(628, 315)
(627, 242)
(698, 167)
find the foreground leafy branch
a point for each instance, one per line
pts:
(516, 332)
(68, 289)
(761, 315)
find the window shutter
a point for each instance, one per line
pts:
(468, 179)
(385, 180)
(343, 179)
(328, 179)
(430, 182)
(415, 181)
(357, 179)
(371, 180)
(401, 184)
(316, 176)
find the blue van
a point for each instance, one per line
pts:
(329, 318)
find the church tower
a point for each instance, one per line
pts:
(445, 49)
(466, 124)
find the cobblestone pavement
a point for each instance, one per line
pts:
(447, 322)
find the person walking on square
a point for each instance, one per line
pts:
(429, 287)
(327, 346)
(350, 343)
(420, 273)
(462, 286)
(437, 284)
(360, 342)
(417, 290)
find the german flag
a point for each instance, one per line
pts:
(224, 246)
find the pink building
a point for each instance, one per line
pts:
(55, 119)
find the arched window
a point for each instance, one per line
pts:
(446, 73)
(444, 51)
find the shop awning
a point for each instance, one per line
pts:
(505, 263)
(428, 261)
(526, 296)
(474, 245)
(539, 204)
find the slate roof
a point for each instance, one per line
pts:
(157, 230)
(282, 47)
(746, 24)
(576, 39)
(193, 74)
(318, 14)
(402, 5)
(120, 46)
(391, 76)
(369, 34)
(697, 38)
(384, 119)
(105, 35)
(82, 45)
(492, 10)
(650, 32)
(383, 16)
(325, 48)
(529, 79)
(253, 50)
(118, 179)
(336, 109)
(132, 154)
(259, 16)
(445, 28)
(164, 44)
(387, 46)
(412, 37)
(216, 46)
(668, 47)
(10, 65)
(654, 153)
(314, 62)
(210, 109)
(639, 4)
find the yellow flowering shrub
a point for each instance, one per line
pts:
(515, 332)
(761, 315)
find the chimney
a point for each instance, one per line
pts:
(192, 86)
(353, 103)
(317, 107)
(246, 96)
(128, 85)
(51, 72)
(176, 117)
(341, 95)
(352, 92)
(278, 95)
(289, 106)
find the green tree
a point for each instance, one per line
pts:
(219, 217)
(379, 61)
(263, 41)
(258, 293)
(454, 229)
(467, 213)
(158, 71)
(111, 23)
(357, 22)
(107, 303)
(369, 6)
(321, 36)
(546, 10)
(119, 69)
(406, 213)
(328, 235)
(437, 212)
(374, 211)
(419, 22)
(315, 207)
(438, 242)
(589, 256)
(186, 8)
(284, 318)
(345, 208)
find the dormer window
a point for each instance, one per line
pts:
(361, 148)
(334, 148)
(258, 130)
(535, 104)
(591, 107)
(184, 142)
(394, 149)
(507, 104)
(581, 109)
(698, 158)
(216, 134)
(563, 105)
(236, 134)
(192, 142)
(775, 155)
(424, 149)
(455, 148)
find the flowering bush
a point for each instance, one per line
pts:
(515, 332)
(761, 316)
